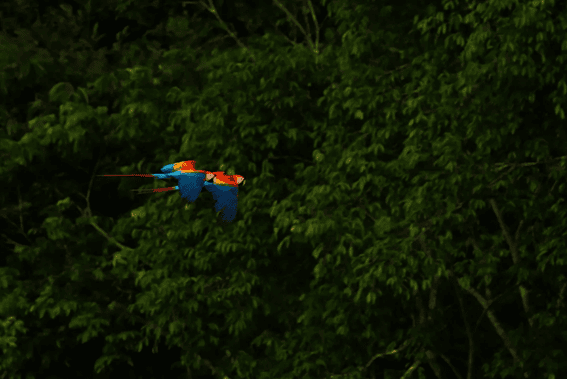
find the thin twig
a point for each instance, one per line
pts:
(452, 367)
(469, 334)
(499, 330)
(90, 187)
(21, 214)
(286, 37)
(411, 369)
(517, 235)
(291, 18)
(500, 177)
(505, 231)
(316, 26)
(11, 222)
(209, 365)
(304, 11)
(404, 345)
(432, 358)
(515, 255)
(490, 302)
(552, 187)
(212, 9)
(526, 164)
(12, 242)
(109, 237)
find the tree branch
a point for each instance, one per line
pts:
(499, 330)
(209, 365)
(294, 20)
(512, 166)
(505, 231)
(88, 209)
(212, 9)
(469, 334)
(21, 209)
(432, 358)
(500, 177)
(286, 37)
(411, 369)
(515, 255)
(517, 235)
(304, 11)
(404, 345)
(88, 214)
(109, 237)
(561, 293)
(316, 26)
(11, 241)
(433, 293)
(291, 18)
(425, 315)
(452, 367)
(526, 164)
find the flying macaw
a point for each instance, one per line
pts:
(224, 188)
(190, 180)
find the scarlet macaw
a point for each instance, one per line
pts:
(225, 192)
(224, 188)
(190, 180)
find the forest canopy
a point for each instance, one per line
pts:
(404, 210)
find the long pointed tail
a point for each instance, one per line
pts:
(141, 175)
(154, 190)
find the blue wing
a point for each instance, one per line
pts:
(189, 185)
(167, 168)
(226, 198)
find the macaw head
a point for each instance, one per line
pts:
(184, 166)
(209, 175)
(216, 175)
(239, 179)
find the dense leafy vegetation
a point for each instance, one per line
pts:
(403, 215)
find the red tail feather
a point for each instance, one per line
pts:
(141, 175)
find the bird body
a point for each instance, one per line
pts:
(226, 199)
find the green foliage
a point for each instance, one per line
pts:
(401, 160)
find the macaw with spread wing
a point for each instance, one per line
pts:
(224, 188)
